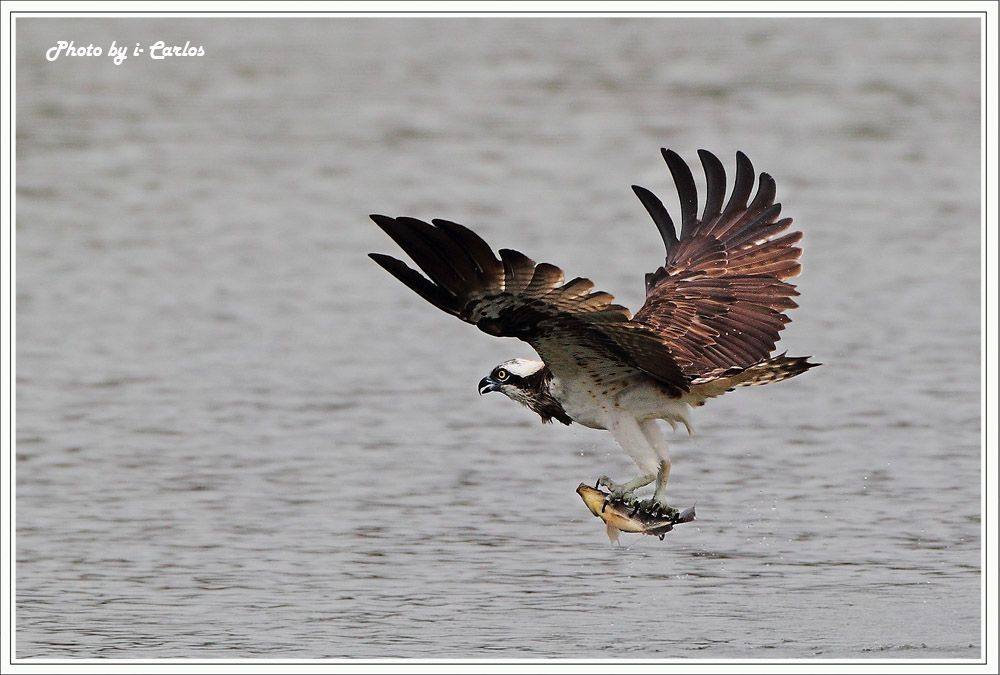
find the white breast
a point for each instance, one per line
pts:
(596, 401)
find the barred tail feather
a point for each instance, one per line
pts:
(772, 370)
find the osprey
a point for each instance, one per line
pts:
(710, 322)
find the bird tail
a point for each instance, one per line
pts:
(774, 369)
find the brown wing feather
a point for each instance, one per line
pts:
(717, 302)
(512, 296)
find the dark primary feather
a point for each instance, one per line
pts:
(718, 300)
(515, 297)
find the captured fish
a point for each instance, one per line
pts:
(621, 516)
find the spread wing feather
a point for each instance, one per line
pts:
(512, 296)
(715, 305)
(718, 300)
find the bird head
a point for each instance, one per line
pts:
(517, 379)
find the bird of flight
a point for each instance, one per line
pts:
(712, 316)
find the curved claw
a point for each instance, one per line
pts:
(605, 481)
(659, 509)
(623, 496)
(617, 494)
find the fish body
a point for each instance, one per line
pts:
(621, 516)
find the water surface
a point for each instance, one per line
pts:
(238, 437)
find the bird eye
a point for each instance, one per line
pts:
(501, 374)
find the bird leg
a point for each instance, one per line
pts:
(658, 504)
(623, 491)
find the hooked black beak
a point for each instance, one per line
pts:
(486, 385)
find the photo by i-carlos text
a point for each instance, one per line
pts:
(118, 53)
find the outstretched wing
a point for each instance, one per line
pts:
(568, 324)
(718, 301)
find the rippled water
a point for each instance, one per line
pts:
(238, 437)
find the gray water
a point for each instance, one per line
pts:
(236, 436)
